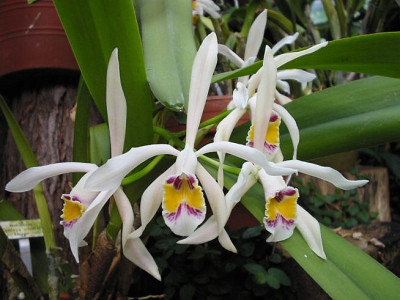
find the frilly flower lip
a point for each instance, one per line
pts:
(73, 209)
(281, 213)
(183, 204)
(271, 143)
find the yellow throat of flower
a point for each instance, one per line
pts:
(72, 210)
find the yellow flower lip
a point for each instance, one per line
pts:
(272, 140)
(183, 202)
(282, 207)
(72, 211)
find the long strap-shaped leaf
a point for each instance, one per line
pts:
(94, 29)
(169, 49)
(347, 273)
(375, 54)
(359, 114)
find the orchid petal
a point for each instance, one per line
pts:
(133, 249)
(310, 230)
(151, 201)
(287, 40)
(186, 161)
(29, 178)
(247, 153)
(202, 71)
(85, 196)
(232, 56)
(223, 133)
(249, 62)
(226, 126)
(245, 181)
(207, 232)
(240, 95)
(325, 173)
(226, 241)
(110, 175)
(265, 99)
(76, 233)
(291, 125)
(214, 194)
(254, 82)
(209, 6)
(296, 74)
(283, 85)
(256, 35)
(252, 106)
(116, 105)
(282, 99)
(282, 59)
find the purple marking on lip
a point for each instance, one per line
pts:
(184, 207)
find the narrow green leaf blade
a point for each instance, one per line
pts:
(81, 149)
(347, 273)
(376, 54)
(359, 114)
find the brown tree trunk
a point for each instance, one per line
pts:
(41, 102)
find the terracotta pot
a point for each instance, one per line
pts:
(31, 37)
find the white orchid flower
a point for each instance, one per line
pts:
(81, 206)
(208, 6)
(178, 189)
(282, 213)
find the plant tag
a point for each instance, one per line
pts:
(22, 229)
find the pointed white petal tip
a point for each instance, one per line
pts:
(29, 178)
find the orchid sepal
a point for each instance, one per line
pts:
(310, 230)
(326, 173)
(133, 249)
(110, 175)
(116, 105)
(247, 153)
(29, 178)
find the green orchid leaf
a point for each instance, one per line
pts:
(347, 272)
(359, 114)
(81, 147)
(169, 49)
(351, 116)
(100, 150)
(29, 160)
(375, 54)
(94, 29)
